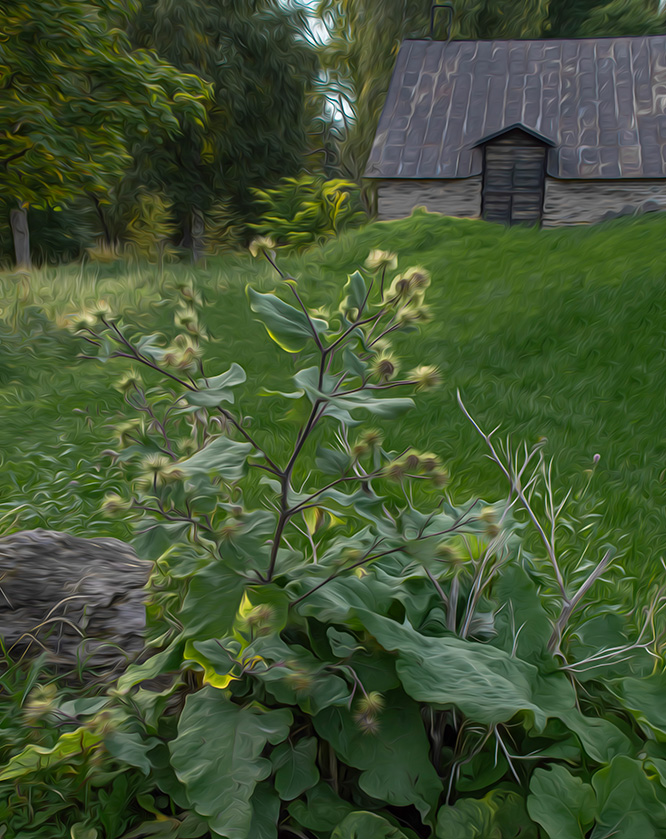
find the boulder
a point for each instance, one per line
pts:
(82, 601)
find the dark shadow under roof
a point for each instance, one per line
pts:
(601, 102)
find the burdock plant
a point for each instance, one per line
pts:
(343, 650)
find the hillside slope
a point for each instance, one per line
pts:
(549, 333)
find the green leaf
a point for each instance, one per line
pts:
(343, 644)
(355, 292)
(485, 683)
(343, 406)
(156, 538)
(322, 809)
(394, 758)
(287, 326)
(645, 698)
(629, 805)
(265, 812)
(130, 748)
(468, 819)
(38, 758)
(217, 756)
(221, 457)
(295, 767)
(489, 685)
(211, 603)
(523, 624)
(561, 803)
(365, 825)
(499, 815)
(216, 389)
(164, 661)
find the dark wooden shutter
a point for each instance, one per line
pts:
(513, 179)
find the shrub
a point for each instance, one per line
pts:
(346, 651)
(302, 211)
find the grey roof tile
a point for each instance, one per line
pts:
(601, 101)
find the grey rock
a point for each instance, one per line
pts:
(80, 600)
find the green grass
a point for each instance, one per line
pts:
(550, 333)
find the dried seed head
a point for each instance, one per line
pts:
(381, 259)
(429, 462)
(394, 471)
(426, 377)
(299, 679)
(81, 322)
(449, 552)
(261, 244)
(412, 461)
(488, 514)
(40, 702)
(187, 445)
(371, 438)
(130, 381)
(439, 477)
(230, 528)
(127, 431)
(158, 470)
(385, 366)
(367, 723)
(114, 503)
(419, 278)
(400, 287)
(372, 703)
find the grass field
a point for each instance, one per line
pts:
(550, 333)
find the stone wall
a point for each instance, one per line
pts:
(587, 202)
(459, 197)
(565, 202)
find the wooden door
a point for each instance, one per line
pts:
(513, 179)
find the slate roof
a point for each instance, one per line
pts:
(601, 102)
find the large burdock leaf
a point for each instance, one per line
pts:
(488, 684)
(498, 815)
(645, 699)
(561, 803)
(365, 825)
(217, 756)
(629, 804)
(287, 326)
(394, 756)
(295, 767)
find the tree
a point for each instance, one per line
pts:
(73, 99)
(260, 68)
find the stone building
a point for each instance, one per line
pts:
(548, 132)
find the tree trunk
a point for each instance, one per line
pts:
(197, 235)
(18, 219)
(193, 230)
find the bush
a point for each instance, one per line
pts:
(305, 210)
(343, 650)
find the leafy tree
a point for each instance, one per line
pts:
(590, 18)
(73, 99)
(261, 68)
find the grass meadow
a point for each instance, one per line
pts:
(557, 334)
